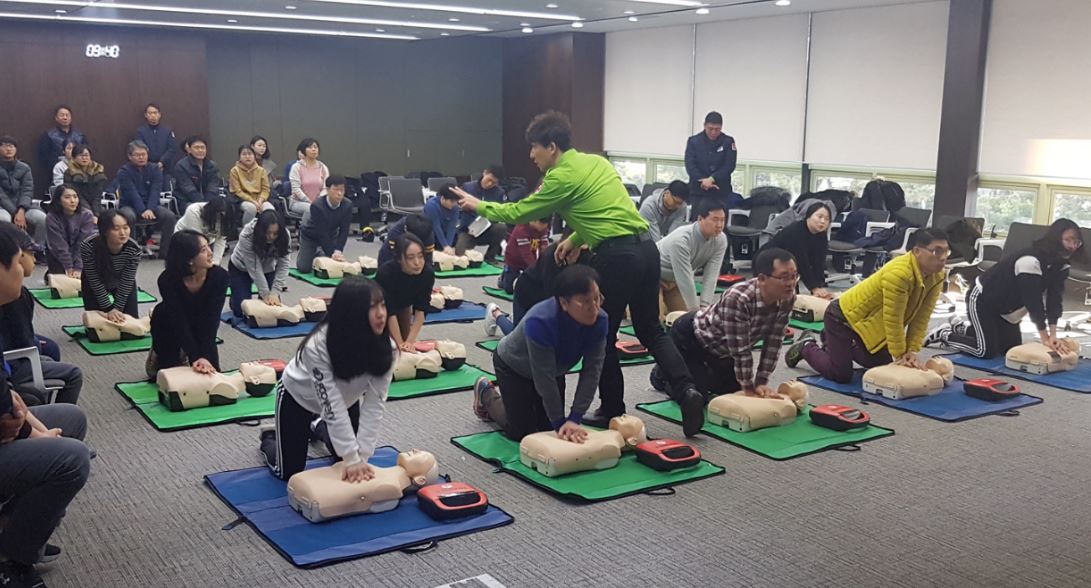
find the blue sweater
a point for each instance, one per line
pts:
(444, 222)
(327, 226)
(140, 188)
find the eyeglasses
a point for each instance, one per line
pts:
(940, 252)
(595, 303)
(788, 279)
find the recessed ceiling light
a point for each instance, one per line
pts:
(784, 2)
(629, 12)
(289, 7)
(445, 34)
(450, 8)
(380, 30)
(453, 19)
(61, 11)
(232, 20)
(524, 24)
(702, 11)
(577, 25)
(528, 30)
(552, 6)
(671, 2)
(633, 19)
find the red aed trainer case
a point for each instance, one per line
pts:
(451, 500)
(990, 389)
(667, 454)
(839, 418)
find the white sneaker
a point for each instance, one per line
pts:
(938, 336)
(490, 318)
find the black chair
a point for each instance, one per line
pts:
(844, 254)
(744, 231)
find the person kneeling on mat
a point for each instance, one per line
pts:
(717, 340)
(882, 319)
(325, 226)
(341, 372)
(408, 281)
(532, 361)
(996, 308)
(260, 259)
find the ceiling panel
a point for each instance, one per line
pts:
(412, 19)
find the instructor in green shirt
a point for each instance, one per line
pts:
(586, 190)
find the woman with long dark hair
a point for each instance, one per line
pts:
(260, 259)
(341, 371)
(210, 220)
(184, 324)
(67, 225)
(408, 283)
(110, 260)
(1030, 281)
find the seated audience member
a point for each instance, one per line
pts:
(259, 259)
(51, 145)
(525, 244)
(407, 281)
(17, 332)
(67, 226)
(325, 226)
(415, 224)
(196, 177)
(1026, 282)
(717, 341)
(62, 164)
(17, 192)
(350, 353)
(665, 209)
(110, 260)
(250, 184)
(443, 210)
(141, 186)
(701, 245)
(837, 201)
(531, 362)
(185, 323)
(308, 177)
(807, 240)
(41, 473)
(88, 177)
(264, 158)
(487, 188)
(882, 319)
(210, 220)
(162, 146)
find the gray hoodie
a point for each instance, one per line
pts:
(661, 222)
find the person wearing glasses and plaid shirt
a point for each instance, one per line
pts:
(717, 341)
(882, 319)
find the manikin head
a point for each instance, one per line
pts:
(714, 125)
(942, 366)
(631, 429)
(795, 391)
(777, 275)
(931, 249)
(675, 195)
(549, 135)
(711, 218)
(420, 466)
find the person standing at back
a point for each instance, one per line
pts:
(162, 146)
(710, 160)
(51, 145)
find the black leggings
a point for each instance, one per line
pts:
(524, 412)
(989, 334)
(293, 424)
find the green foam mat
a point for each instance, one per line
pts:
(802, 437)
(628, 477)
(144, 397)
(45, 298)
(314, 280)
(484, 269)
(79, 333)
(446, 381)
(490, 346)
(813, 326)
(498, 293)
(253, 290)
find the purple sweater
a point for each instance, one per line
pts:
(65, 233)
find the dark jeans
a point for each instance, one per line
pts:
(71, 377)
(165, 219)
(168, 346)
(712, 375)
(241, 284)
(48, 347)
(841, 347)
(507, 279)
(493, 237)
(293, 424)
(520, 411)
(629, 278)
(989, 334)
(89, 303)
(40, 477)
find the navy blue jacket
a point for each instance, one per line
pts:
(444, 222)
(140, 188)
(714, 159)
(162, 147)
(51, 145)
(195, 184)
(329, 227)
(474, 189)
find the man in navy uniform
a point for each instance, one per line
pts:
(710, 160)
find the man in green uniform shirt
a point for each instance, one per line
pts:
(586, 190)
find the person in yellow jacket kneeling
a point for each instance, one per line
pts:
(882, 319)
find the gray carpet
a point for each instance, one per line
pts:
(988, 502)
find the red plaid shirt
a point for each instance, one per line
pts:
(731, 326)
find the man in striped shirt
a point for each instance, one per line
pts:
(717, 341)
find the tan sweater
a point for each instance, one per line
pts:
(250, 185)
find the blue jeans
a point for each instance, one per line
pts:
(241, 284)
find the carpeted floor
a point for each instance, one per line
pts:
(990, 502)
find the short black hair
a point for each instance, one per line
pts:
(402, 243)
(763, 264)
(574, 280)
(495, 170)
(64, 106)
(714, 118)
(335, 181)
(9, 250)
(922, 237)
(679, 190)
(547, 220)
(151, 105)
(307, 143)
(246, 148)
(421, 226)
(9, 140)
(190, 140)
(445, 192)
(707, 205)
(550, 127)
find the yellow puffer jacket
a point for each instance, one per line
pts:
(881, 307)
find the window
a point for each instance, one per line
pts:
(1072, 204)
(667, 172)
(632, 171)
(1001, 206)
(789, 180)
(918, 193)
(839, 181)
(738, 181)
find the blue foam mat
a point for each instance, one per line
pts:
(950, 405)
(298, 330)
(262, 501)
(1077, 380)
(468, 311)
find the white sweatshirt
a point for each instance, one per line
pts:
(312, 385)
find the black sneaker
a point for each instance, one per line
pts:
(795, 352)
(693, 412)
(269, 447)
(17, 575)
(49, 553)
(656, 379)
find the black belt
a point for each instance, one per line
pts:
(623, 240)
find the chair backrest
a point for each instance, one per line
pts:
(384, 183)
(760, 215)
(434, 184)
(945, 220)
(916, 217)
(647, 190)
(406, 193)
(875, 215)
(1021, 235)
(632, 189)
